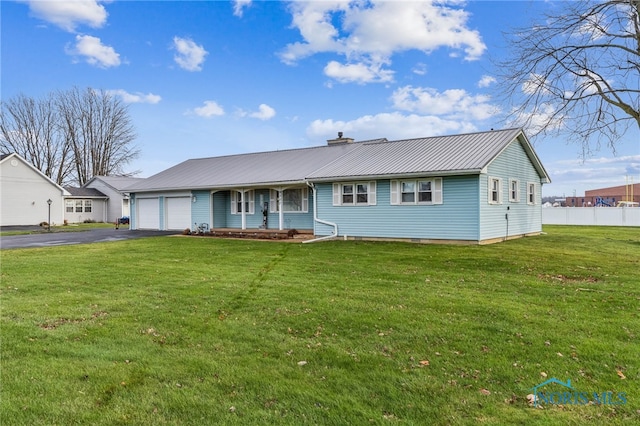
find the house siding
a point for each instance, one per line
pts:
(114, 204)
(522, 218)
(97, 213)
(454, 219)
(24, 196)
(201, 208)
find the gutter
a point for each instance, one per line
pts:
(317, 219)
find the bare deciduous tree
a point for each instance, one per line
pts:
(30, 128)
(99, 131)
(70, 135)
(577, 73)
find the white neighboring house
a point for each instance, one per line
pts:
(24, 192)
(85, 205)
(114, 188)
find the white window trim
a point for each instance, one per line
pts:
(436, 192)
(371, 193)
(490, 182)
(513, 199)
(274, 200)
(249, 197)
(529, 193)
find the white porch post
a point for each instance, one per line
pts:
(244, 213)
(280, 208)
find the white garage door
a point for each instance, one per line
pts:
(178, 212)
(148, 213)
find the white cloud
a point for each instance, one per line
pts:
(94, 52)
(190, 56)
(357, 73)
(390, 125)
(208, 110)
(452, 103)
(543, 117)
(68, 14)
(535, 83)
(239, 6)
(264, 113)
(420, 69)
(486, 81)
(372, 31)
(135, 98)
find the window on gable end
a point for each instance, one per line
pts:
(531, 193)
(514, 190)
(495, 190)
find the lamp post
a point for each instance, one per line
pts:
(49, 221)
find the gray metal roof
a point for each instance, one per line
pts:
(254, 169)
(456, 154)
(119, 183)
(84, 192)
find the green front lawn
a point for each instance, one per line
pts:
(72, 227)
(192, 331)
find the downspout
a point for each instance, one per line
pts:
(317, 219)
(280, 209)
(243, 214)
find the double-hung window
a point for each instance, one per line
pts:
(418, 191)
(495, 190)
(69, 206)
(294, 200)
(425, 191)
(236, 202)
(514, 191)
(354, 194)
(531, 193)
(408, 192)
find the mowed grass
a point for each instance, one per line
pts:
(192, 331)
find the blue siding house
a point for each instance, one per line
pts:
(472, 188)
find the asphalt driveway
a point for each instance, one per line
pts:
(82, 237)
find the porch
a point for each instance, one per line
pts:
(260, 234)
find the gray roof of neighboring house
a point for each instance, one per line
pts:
(84, 192)
(444, 155)
(261, 168)
(455, 154)
(118, 183)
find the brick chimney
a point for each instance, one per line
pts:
(339, 140)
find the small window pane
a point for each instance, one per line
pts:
(69, 206)
(78, 206)
(362, 190)
(408, 192)
(292, 200)
(347, 194)
(87, 206)
(424, 192)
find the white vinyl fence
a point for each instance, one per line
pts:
(603, 216)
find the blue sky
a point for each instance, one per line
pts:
(210, 78)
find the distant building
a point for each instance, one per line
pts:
(606, 197)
